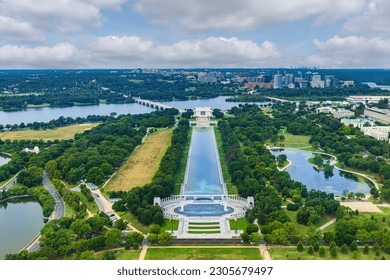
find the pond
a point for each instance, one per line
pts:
(4, 160)
(20, 221)
(301, 170)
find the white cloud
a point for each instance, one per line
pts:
(241, 15)
(351, 52)
(210, 52)
(16, 30)
(374, 20)
(126, 47)
(133, 51)
(62, 55)
(109, 4)
(60, 15)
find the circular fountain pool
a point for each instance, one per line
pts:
(203, 210)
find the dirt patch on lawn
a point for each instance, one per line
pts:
(362, 206)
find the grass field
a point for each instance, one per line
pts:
(294, 141)
(204, 232)
(121, 255)
(61, 133)
(91, 205)
(170, 225)
(241, 223)
(203, 254)
(302, 229)
(133, 221)
(143, 164)
(293, 254)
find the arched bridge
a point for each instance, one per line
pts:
(152, 104)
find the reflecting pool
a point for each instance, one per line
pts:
(203, 174)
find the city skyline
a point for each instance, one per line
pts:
(184, 34)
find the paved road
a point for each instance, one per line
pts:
(10, 184)
(59, 211)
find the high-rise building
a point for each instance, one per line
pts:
(278, 80)
(289, 79)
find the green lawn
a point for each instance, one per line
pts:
(121, 255)
(293, 254)
(203, 227)
(204, 232)
(294, 141)
(378, 217)
(92, 207)
(203, 254)
(242, 223)
(133, 221)
(170, 225)
(199, 223)
(302, 229)
(182, 169)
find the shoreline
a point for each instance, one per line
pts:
(333, 163)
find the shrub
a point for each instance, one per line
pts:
(293, 206)
(355, 255)
(251, 228)
(300, 246)
(321, 252)
(310, 250)
(344, 249)
(366, 249)
(333, 252)
(353, 246)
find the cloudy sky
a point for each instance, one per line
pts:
(194, 33)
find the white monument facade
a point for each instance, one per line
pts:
(203, 115)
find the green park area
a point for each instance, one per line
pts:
(120, 254)
(239, 224)
(293, 254)
(191, 253)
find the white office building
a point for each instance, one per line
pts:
(278, 81)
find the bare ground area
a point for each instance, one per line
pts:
(143, 163)
(362, 206)
(60, 133)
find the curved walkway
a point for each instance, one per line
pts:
(283, 168)
(334, 162)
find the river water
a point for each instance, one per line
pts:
(302, 171)
(48, 114)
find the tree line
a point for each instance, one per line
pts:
(140, 200)
(95, 154)
(253, 170)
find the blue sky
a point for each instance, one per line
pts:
(194, 33)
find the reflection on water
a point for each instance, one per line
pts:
(301, 170)
(204, 210)
(203, 173)
(20, 221)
